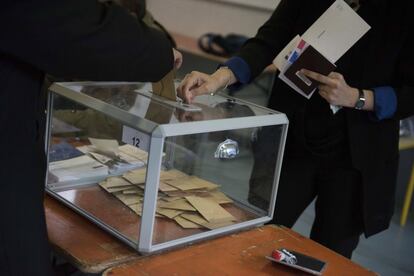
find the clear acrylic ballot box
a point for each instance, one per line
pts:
(158, 173)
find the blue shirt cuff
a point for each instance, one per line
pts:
(241, 71)
(385, 102)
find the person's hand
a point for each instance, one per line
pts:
(334, 89)
(197, 83)
(178, 59)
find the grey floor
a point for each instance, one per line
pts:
(390, 253)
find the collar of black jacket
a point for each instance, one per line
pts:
(374, 3)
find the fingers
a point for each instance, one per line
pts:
(202, 89)
(336, 75)
(329, 97)
(333, 88)
(323, 94)
(192, 85)
(183, 90)
(325, 88)
(320, 78)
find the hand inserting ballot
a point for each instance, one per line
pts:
(197, 83)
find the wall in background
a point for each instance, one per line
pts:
(196, 17)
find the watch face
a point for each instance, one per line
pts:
(361, 100)
(359, 104)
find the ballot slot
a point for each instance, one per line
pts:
(176, 104)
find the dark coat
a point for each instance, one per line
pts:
(72, 39)
(383, 57)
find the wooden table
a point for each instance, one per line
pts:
(111, 211)
(238, 254)
(92, 250)
(82, 243)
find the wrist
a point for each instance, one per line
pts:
(364, 99)
(224, 76)
(353, 97)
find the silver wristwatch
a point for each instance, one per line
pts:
(361, 100)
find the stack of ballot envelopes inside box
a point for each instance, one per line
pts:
(190, 201)
(94, 162)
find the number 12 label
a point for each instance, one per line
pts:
(136, 138)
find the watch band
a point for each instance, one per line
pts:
(361, 100)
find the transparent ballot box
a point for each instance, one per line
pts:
(158, 173)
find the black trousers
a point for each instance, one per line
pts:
(337, 188)
(305, 176)
(24, 247)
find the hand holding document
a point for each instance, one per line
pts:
(327, 40)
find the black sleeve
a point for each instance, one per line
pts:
(271, 38)
(405, 84)
(405, 91)
(83, 39)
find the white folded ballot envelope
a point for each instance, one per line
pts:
(332, 35)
